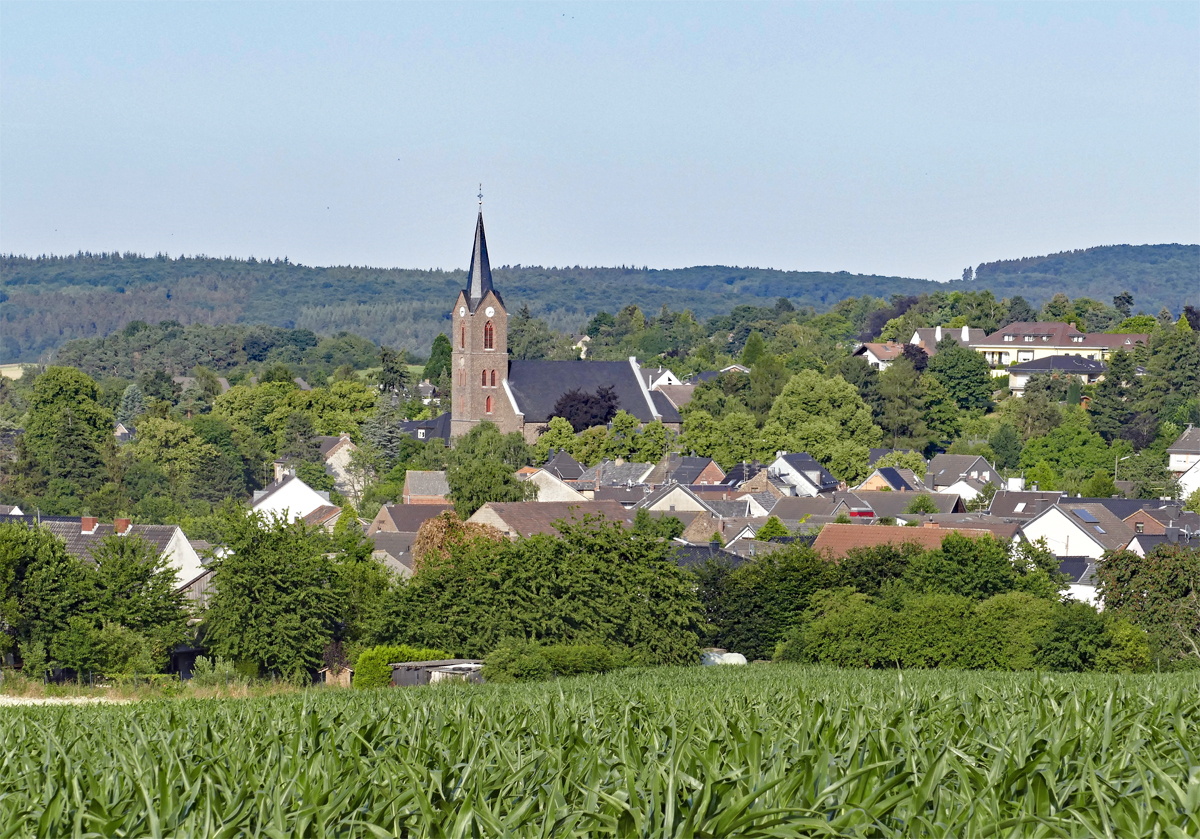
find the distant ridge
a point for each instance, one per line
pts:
(49, 300)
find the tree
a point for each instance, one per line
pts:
(656, 527)
(772, 529)
(1157, 593)
(1006, 446)
(965, 374)
(1100, 485)
(133, 404)
(596, 582)
(41, 586)
(584, 410)
(903, 397)
(135, 587)
(1032, 415)
(828, 419)
(1072, 445)
(755, 349)
(922, 504)
(1019, 311)
(558, 436)
(481, 468)
(1123, 303)
(1110, 408)
(943, 420)
(275, 602)
(68, 434)
(440, 356)
(529, 338)
(157, 385)
(1057, 308)
(916, 356)
(393, 374)
(974, 568)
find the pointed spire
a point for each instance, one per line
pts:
(479, 282)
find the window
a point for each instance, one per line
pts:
(489, 405)
(1010, 337)
(1028, 337)
(489, 336)
(462, 337)
(493, 378)
(420, 433)
(485, 378)
(1139, 527)
(1019, 508)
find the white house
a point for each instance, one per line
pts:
(1189, 481)
(290, 499)
(1184, 453)
(1078, 530)
(802, 473)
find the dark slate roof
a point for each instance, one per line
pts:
(895, 503)
(397, 546)
(479, 280)
(1061, 363)
(689, 469)
(80, 545)
(327, 444)
(564, 466)
(665, 407)
(537, 385)
(1174, 536)
(895, 479)
(627, 496)
(436, 427)
(693, 556)
(609, 473)
(1080, 570)
(1122, 508)
(739, 473)
(812, 469)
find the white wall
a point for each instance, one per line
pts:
(1063, 537)
(294, 500)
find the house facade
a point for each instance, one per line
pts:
(1022, 341)
(290, 499)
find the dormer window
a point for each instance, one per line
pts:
(1029, 338)
(1010, 337)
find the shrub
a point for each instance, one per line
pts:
(373, 669)
(516, 661)
(213, 672)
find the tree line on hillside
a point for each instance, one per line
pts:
(52, 299)
(290, 599)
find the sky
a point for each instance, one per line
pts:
(897, 139)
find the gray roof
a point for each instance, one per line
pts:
(895, 503)
(439, 426)
(397, 548)
(1188, 442)
(327, 443)
(426, 483)
(564, 466)
(537, 386)
(1079, 570)
(609, 473)
(408, 518)
(793, 508)
(946, 469)
(80, 545)
(691, 556)
(1005, 503)
(1098, 522)
(1149, 542)
(739, 473)
(874, 454)
(479, 281)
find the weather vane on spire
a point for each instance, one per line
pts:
(481, 198)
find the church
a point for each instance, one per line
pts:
(519, 395)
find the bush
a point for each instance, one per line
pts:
(215, 672)
(373, 669)
(520, 661)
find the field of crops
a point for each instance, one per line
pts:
(753, 751)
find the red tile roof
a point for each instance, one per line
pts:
(835, 540)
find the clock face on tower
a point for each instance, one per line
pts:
(462, 311)
(490, 311)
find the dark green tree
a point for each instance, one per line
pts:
(135, 586)
(755, 349)
(1019, 311)
(1006, 446)
(1123, 303)
(965, 374)
(481, 468)
(276, 601)
(393, 374)
(439, 359)
(903, 398)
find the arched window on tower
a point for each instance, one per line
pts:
(493, 378)
(489, 404)
(489, 336)
(462, 337)
(485, 378)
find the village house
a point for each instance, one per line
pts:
(1183, 459)
(1079, 529)
(1021, 342)
(963, 475)
(289, 498)
(880, 356)
(927, 338)
(893, 479)
(1085, 370)
(527, 518)
(802, 473)
(836, 540)
(550, 487)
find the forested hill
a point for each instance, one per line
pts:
(49, 300)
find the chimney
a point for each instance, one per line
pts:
(937, 334)
(966, 335)
(931, 524)
(122, 526)
(88, 524)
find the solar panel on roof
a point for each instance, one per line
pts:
(1086, 516)
(1098, 528)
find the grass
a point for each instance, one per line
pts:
(753, 751)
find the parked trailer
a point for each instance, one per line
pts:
(411, 673)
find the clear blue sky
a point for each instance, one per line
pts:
(896, 139)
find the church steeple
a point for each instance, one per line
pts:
(479, 280)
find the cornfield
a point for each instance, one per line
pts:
(750, 751)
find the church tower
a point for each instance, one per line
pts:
(480, 356)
